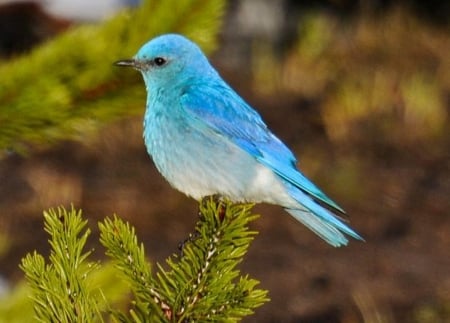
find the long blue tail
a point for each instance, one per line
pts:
(321, 221)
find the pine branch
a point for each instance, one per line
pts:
(122, 246)
(61, 289)
(67, 88)
(201, 285)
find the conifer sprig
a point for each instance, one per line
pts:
(202, 284)
(122, 246)
(62, 292)
(203, 279)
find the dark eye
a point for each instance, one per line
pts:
(159, 61)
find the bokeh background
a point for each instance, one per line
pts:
(360, 91)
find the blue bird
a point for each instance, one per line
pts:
(206, 140)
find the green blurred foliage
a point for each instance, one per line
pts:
(68, 87)
(16, 306)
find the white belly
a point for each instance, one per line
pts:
(202, 163)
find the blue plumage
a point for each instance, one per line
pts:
(205, 139)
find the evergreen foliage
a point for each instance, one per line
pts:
(68, 87)
(202, 284)
(61, 288)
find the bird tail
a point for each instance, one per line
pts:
(321, 221)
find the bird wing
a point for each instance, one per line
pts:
(225, 112)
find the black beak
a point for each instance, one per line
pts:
(126, 63)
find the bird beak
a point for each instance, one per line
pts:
(126, 63)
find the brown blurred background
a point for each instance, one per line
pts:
(360, 90)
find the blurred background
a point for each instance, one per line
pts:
(359, 90)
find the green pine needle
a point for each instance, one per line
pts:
(61, 289)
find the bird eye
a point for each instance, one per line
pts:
(159, 61)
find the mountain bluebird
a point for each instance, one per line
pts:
(206, 140)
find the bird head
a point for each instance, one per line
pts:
(169, 59)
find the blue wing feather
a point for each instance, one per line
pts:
(226, 113)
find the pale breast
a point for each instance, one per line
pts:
(200, 162)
